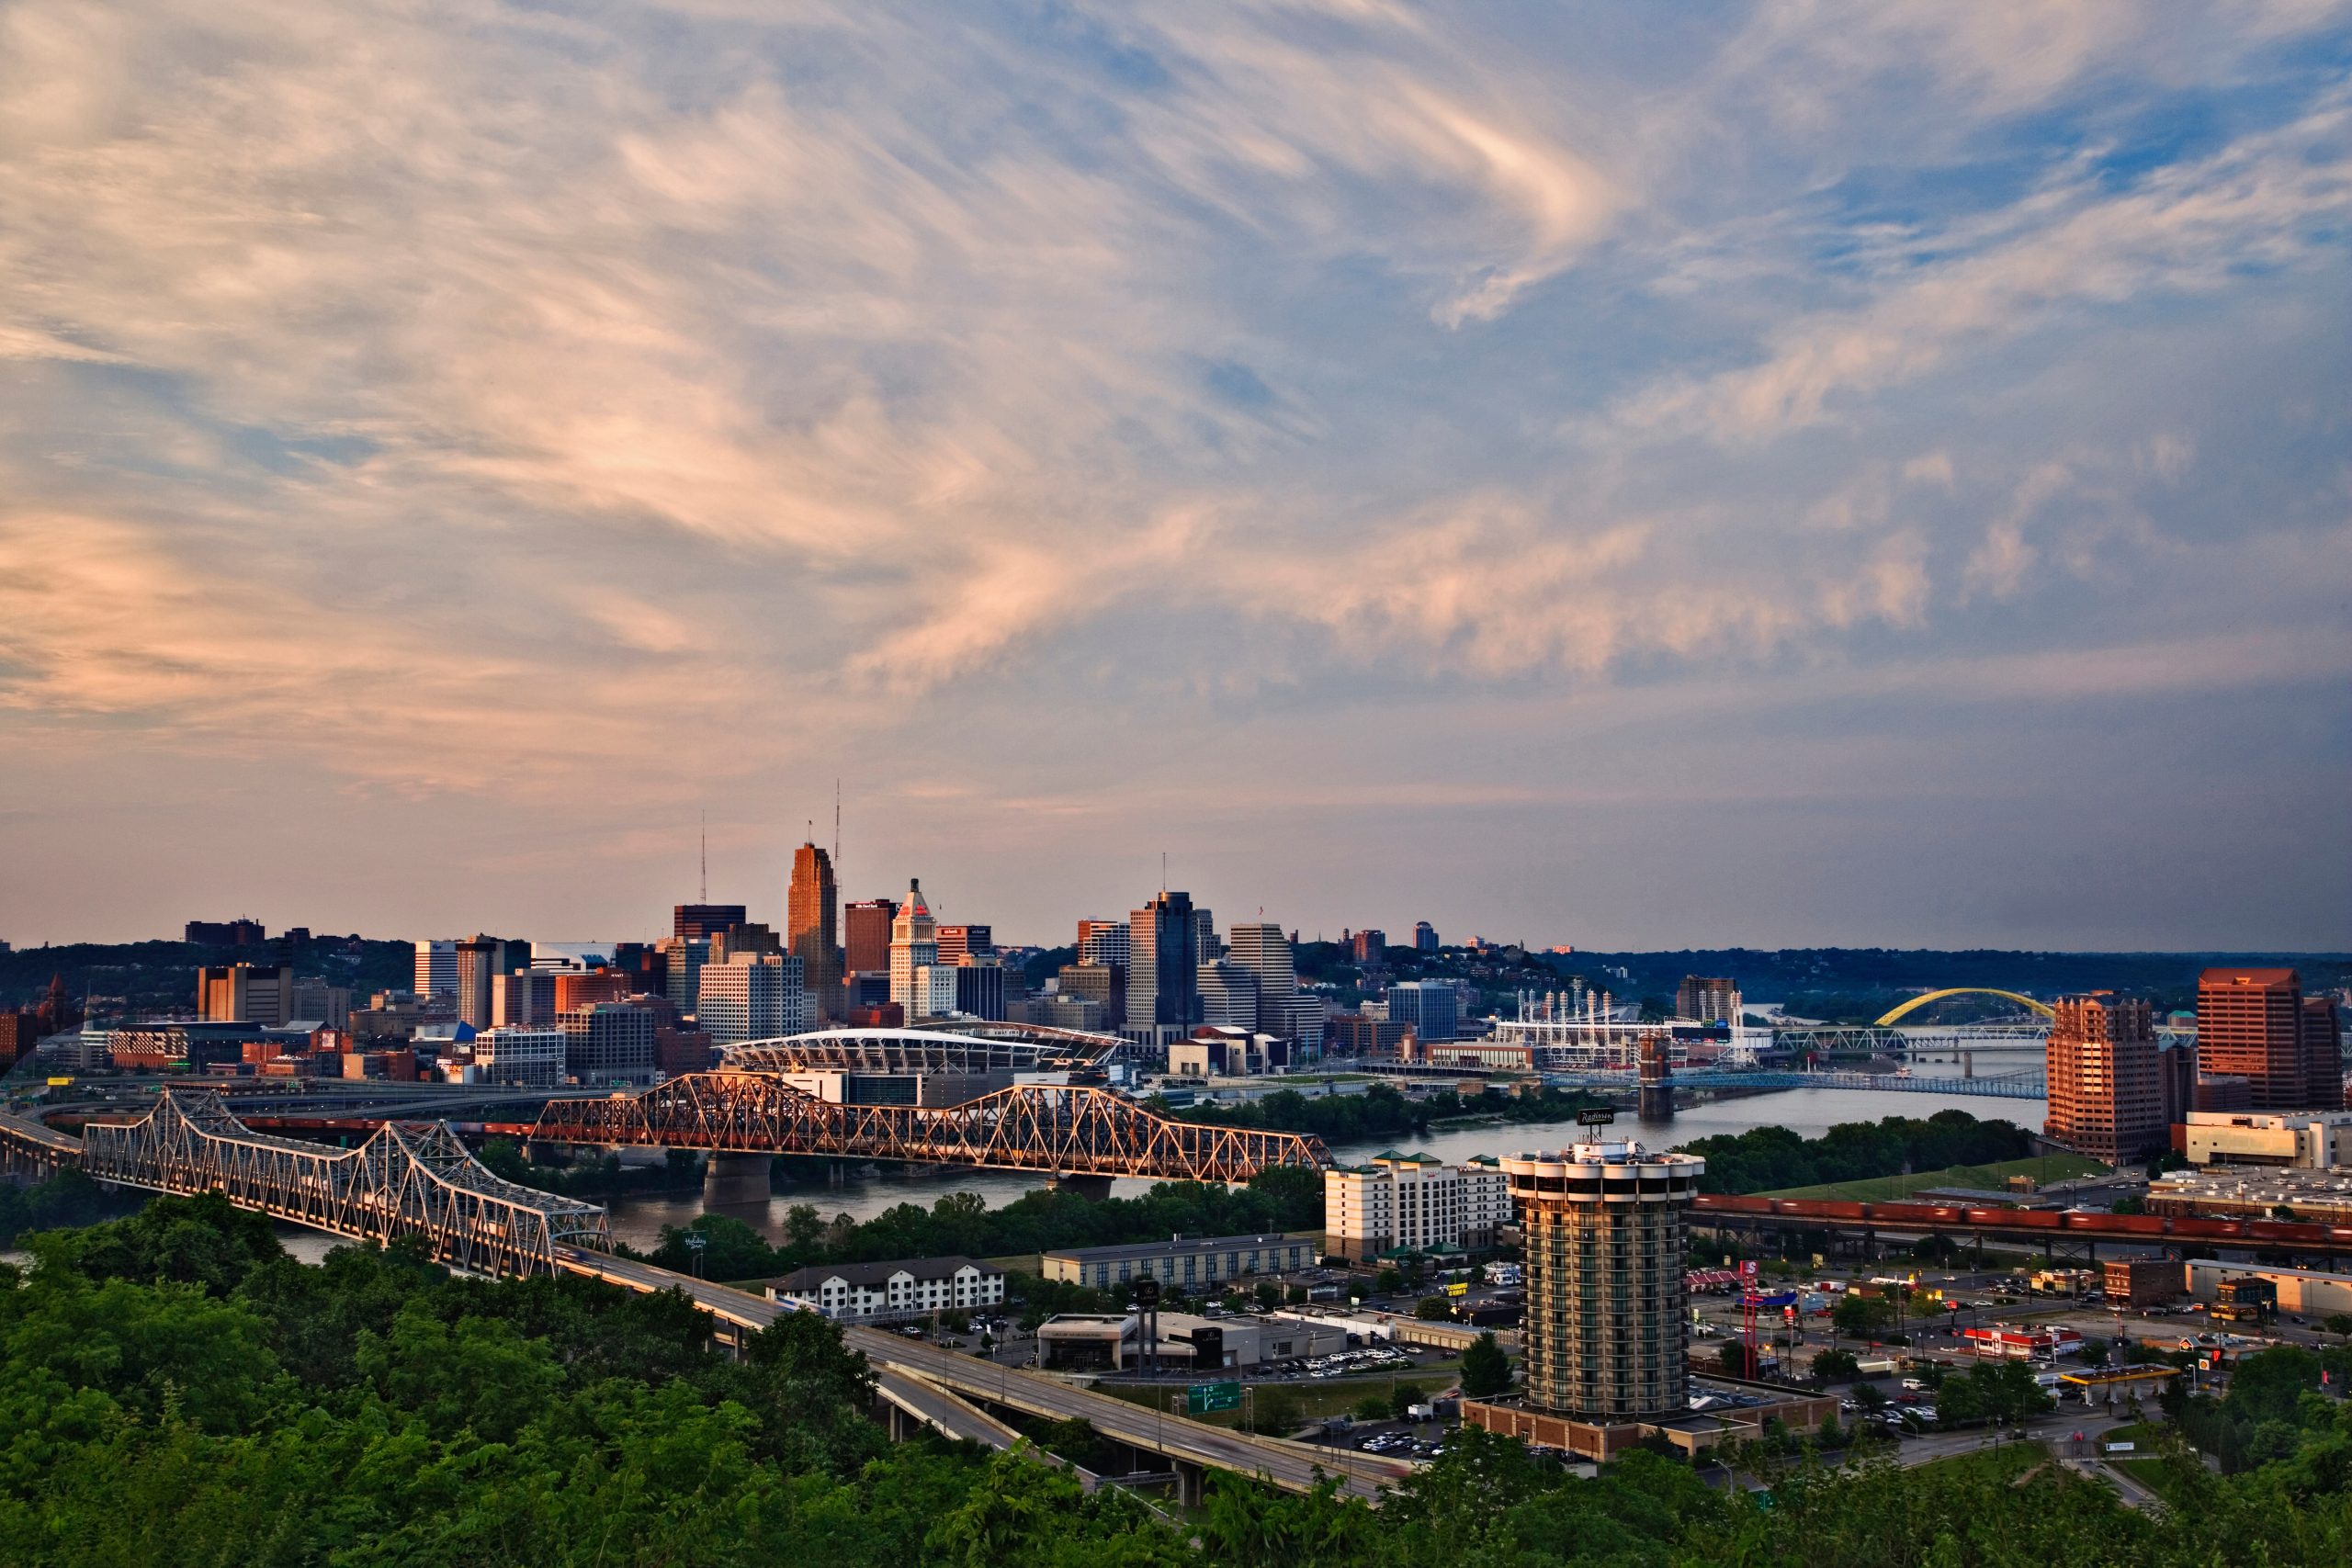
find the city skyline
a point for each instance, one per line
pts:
(1633, 479)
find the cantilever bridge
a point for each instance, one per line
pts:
(1053, 1129)
(409, 1179)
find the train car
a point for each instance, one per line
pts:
(1822, 1209)
(2133, 1225)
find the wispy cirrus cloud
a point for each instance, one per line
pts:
(474, 400)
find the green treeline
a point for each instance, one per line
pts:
(176, 1390)
(1279, 1199)
(1380, 1111)
(69, 1198)
(1764, 1159)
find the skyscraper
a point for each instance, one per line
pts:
(689, 921)
(866, 935)
(1370, 946)
(813, 933)
(480, 960)
(751, 997)
(1606, 1294)
(1424, 936)
(2324, 1051)
(1204, 936)
(1103, 941)
(2107, 1092)
(914, 945)
(437, 968)
(1430, 1006)
(1163, 977)
(2250, 1025)
(979, 988)
(1228, 995)
(1259, 947)
(958, 942)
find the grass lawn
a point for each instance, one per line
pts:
(2043, 1168)
(2002, 1463)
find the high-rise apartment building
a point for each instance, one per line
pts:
(1605, 1266)
(752, 995)
(1424, 936)
(1163, 974)
(1103, 942)
(2107, 1090)
(1413, 1203)
(2323, 1050)
(2250, 1024)
(1704, 999)
(866, 934)
(914, 944)
(690, 922)
(812, 929)
(958, 942)
(245, 993)
(1228, 995)
(1369, 946)
(437, 968)
(1431, 1007)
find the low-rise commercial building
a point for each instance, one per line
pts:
(1191, 1262)
(1111, 1341)
(2140, 1281)
(2302, 1140)
(1400, 1202)
(2301, 1292)
(2256, 1192)
(913, 1286)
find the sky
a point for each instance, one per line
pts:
(1628, 476)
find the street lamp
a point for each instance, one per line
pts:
(696, 1241)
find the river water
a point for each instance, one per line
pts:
(862, 1192)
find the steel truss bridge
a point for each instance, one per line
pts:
(1059, 1129)
(2008, 1086)
(410, 1179)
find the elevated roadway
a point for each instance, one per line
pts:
(1295, 1467)
(2046, 1225)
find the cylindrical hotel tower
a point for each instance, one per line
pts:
(1606, 1297)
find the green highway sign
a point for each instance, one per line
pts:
(1203, 1397)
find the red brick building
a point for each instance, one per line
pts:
(2107, 1096)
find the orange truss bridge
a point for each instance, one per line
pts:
(1057, 1129)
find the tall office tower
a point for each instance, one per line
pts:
(1259, 947)
(1705, 999)
(752, 995)
(480, 960)
(1424, 936)
(2176, 1079)
(608, 1043)
(811, 922)
(1104, 984)
(315, 1001)
(751, 936)
(682, 961)
(866, 935)
(1606, 1297)
(914, 944)
(245, 993)
(1228, 995)
(523, 996)
(2250, 1025)
(2323, 1051)
(437, 968)
(1204, 936)
(2107, 1089)
(1430, 1006)
(1163, 975)
(958, 942)
(1103, 941)
(690, 922)
(1297, 1018)
(979, 988)
(1370, 946)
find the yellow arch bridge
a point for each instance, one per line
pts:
(1915, 1003)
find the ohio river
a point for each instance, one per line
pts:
(866, 1192)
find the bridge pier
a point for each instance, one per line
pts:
(1092, 1187)
(736, 1181)
(1189, 1477)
